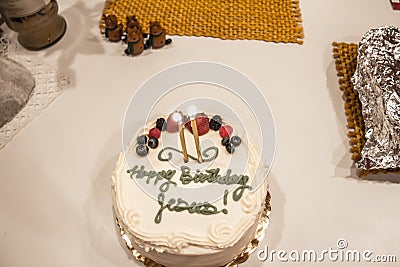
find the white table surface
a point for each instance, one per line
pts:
(55, 202)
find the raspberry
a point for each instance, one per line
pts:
(154, 132)
(225, 131)
(203, 124)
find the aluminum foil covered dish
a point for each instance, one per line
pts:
(377, 80)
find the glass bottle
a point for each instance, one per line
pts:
(36, 21)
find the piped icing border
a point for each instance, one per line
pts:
(240, 258)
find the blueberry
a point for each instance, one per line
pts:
(225, 141)
(141, 140)
(230, 148)
(216, 122)
(161, 124)
(236, 141)
(142, 150)
(153, 142)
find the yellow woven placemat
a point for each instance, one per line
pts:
(268, 20)
(345, 55)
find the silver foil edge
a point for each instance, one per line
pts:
(377, 80)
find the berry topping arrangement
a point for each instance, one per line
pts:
(198, 125)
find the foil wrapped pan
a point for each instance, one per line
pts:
(237, 259)
(377, 80)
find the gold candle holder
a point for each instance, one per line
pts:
(192, 115)
(178, 118)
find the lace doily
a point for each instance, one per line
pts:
(49, 84)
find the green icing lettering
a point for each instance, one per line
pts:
(179, 205)
(161, 197)
(186, 178)
(212, 176)
(238, 192)
(226, 197)
(159, 176)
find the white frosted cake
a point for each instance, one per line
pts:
(181, 213)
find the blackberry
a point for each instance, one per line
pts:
(225, 141)
(161, 124)
(216, 122)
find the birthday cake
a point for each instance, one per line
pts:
(190, 190)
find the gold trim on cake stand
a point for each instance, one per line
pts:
(242, 257)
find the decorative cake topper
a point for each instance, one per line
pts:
(178, 118)
(135, 43)
(132, 24)
(157, 38)
(133, 34)
(134, 37)
(113, 31)
(193, 123)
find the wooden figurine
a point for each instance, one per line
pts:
(132, 24)
(135, 42)
(113, 29)
(157, 37)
